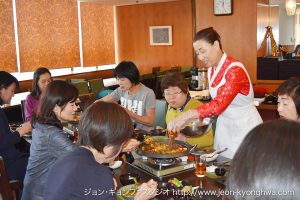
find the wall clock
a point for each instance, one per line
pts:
(223, 7)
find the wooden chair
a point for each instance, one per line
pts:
(155, 69)
(10, 190)
(157, 91)
(23, 103)
(160, 113)
(96, 85)
(149, 81)
(82, 87)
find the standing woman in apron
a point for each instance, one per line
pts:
(231, 91)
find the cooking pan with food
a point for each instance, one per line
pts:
(163, 148)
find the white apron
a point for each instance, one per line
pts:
(237, 119)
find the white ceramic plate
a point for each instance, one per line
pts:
(115, 164)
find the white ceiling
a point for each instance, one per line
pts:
(126, 2)
(278, 2)
(131, 2)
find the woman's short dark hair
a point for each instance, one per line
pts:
(6, 79)
(104, 124)
(291, 88)
(127, 69)
(174, 79)
(297, 49)
(268, 160)
(210, 35)
(57, 93)
(36, 92)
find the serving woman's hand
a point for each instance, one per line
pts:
(146, 190)
(177, 124)
(130, 145)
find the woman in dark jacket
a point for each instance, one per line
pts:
(49, 142)
(104, 130)
(15, 161)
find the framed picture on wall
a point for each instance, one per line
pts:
(160, 35)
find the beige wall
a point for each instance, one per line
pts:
(132, 29)
(237, 31)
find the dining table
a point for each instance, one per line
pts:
(209, 187)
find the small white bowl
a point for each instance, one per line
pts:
(115, 164)
(208, 155)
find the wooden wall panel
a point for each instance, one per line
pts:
(97, 24)
(8, 59)
(132, 29)
(237, 31)
(48, 33)
(266, 16)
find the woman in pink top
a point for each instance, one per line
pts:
(41, 79)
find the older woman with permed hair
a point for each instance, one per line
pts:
(176, 91)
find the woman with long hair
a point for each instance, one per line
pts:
(49, 142)
(41, 79)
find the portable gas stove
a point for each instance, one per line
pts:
(163, 167)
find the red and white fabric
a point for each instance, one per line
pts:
(232, 100)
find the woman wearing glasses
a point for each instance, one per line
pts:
(231, 91)
(176, 92)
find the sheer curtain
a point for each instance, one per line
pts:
(297, 26)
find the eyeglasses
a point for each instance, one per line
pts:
(173, 94)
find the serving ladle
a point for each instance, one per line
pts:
(215, 153)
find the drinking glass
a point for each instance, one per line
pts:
(200, 166)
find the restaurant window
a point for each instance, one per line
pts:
(97, 25)
(60, 35)
(8, 59)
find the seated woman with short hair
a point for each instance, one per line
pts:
(289, 99)
(104, 130)
(267, 163)
(176, 92)
(137, 99)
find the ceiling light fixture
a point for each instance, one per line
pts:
(290, 6)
